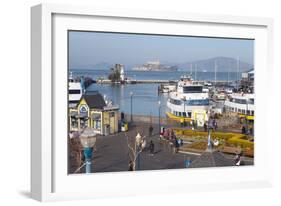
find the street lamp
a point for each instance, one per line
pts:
(159, 107)
(184, 100)
(247, 123)
(140, 145)
(88, 140)
(209, 145)
(131, 94)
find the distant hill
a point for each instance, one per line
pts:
(98, 66)
(101, 66)
(224, 64)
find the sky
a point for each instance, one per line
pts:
(90, 48)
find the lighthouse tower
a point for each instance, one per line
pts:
(122, 75)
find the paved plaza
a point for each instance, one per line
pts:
(111, 153)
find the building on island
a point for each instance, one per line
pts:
(93, 111)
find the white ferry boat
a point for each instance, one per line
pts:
(189, 102)
(241, 104)
(75, 91)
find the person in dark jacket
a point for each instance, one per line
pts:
(151, 147)
(243, 130)
(150, 130)
(131, 166)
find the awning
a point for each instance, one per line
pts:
(73, 113)
(249, 117)
(82, 115)
(96, 116)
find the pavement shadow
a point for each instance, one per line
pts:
(25, 193)
(156, 152)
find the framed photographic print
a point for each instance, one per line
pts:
(121, 99)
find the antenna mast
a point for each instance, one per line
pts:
(195, 72)
(228, 73)
(238, 65)
(215, 71)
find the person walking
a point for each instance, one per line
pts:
(150, 130)
(243, 130)
(131, 166)
(238, 160)
(151, 147)
(216, 125)
(205, 127)
(177, 145)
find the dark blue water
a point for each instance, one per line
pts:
(145, 96)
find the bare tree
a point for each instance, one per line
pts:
(135, 147)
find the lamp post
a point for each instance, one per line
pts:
(184, 100)
(247, 124)
(209, 145)
(159, 115)
(88, 140)
(131, 94)
(139, 144)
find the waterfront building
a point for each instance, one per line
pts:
(93, 111)
(247, 81)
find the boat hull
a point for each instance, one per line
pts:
(177, 118)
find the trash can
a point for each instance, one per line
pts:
(106, 129)
(124, 127)
(187, 163)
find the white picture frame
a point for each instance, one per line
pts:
(49, 179)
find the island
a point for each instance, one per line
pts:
(155, 66)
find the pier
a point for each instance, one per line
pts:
(159, 81)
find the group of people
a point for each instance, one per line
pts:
(212, 125)
(249, 130)
(169, 135)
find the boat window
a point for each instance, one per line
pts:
(198, 102)
(192, 89)
(240, 101)
(251, 101)
(180, 114)
(184, 114)
(175, 101)
(74, 91)
(73, 101)
(189, 114)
